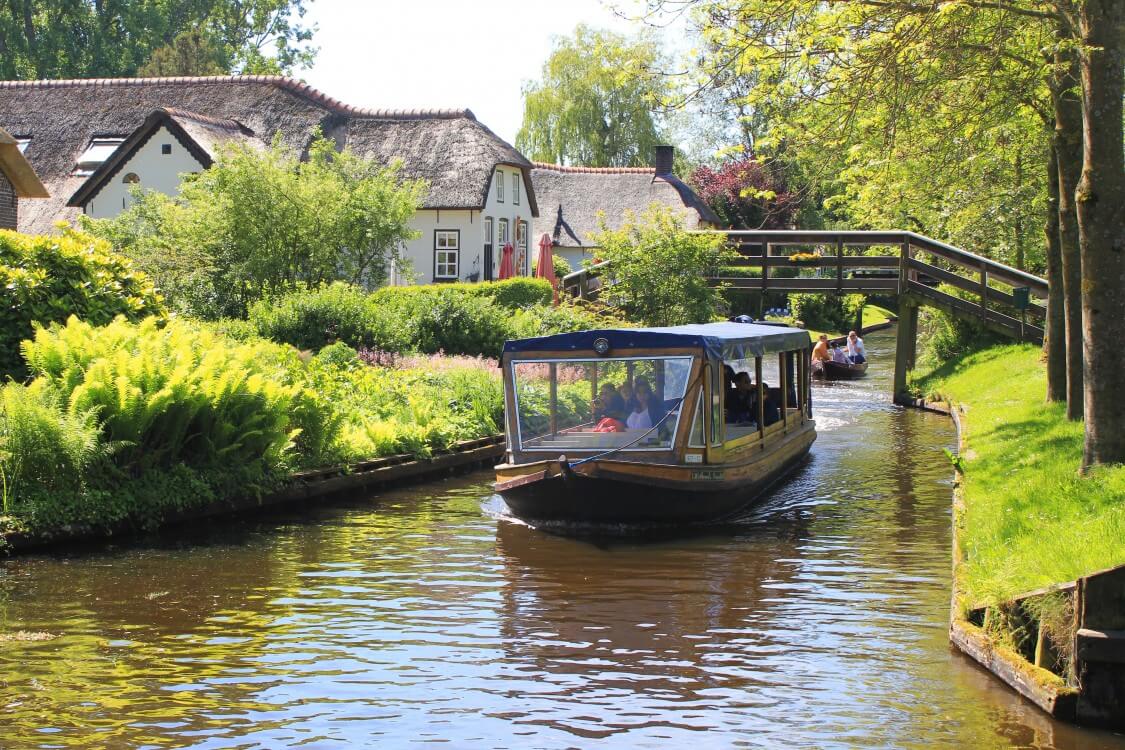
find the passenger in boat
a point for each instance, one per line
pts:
(856, 353)
(627, 397)
(647, 411)
(609, 403)
(742, 407)
(771, 410)
(838, 355)
(820, 351)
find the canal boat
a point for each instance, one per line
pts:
(640, 426)
(841, 370)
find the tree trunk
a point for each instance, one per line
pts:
(1055, 341)
(1101, 228)
(1068, 148)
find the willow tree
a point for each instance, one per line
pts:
(596, 101)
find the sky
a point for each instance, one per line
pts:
(407, 54)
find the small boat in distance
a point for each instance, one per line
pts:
(840, 370)
(647, 425)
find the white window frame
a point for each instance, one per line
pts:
(521, 247)
(503, 234)
(489, 249)
(515, 188)
(447, 245)
(499, 186)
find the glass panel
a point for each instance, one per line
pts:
(695, 440)
(600, 404)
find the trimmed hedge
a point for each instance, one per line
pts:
(510, 293)
(49, 278)
(470, 319)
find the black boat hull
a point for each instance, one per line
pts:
(584, 500)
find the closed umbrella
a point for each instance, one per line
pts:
(545, 267)
(507, 268)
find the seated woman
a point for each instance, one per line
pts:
(648, 411)
(772, 412)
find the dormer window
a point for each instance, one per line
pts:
(499, 186)
(96, 153)
(22, 142)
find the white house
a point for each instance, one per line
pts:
(574, 201)
(92, 140)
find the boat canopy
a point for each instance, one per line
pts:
(725, 341)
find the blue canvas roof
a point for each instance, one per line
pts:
(719, 340)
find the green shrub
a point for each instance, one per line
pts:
(47, 279)
(456, 323)
(175, 394)
(827, 312)
(311, 319)
(944, 336)
(509, 293)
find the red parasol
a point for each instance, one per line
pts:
(545, 267)
(507, 269)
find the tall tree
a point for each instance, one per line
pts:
(596, 102)
(1054, 343)
(1066, 96)
(1101, 227)
(114, 38)
(191, 53)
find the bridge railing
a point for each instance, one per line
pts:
(904, 263)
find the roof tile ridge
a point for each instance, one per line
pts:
(592, 170)
(295, 86)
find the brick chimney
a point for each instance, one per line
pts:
(662, 159)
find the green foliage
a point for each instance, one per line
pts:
(48, 278)
(130, 422)
(47, 39)
(466, 319)
(562, 268)
(956, 148)
(594, 104)
(175, 394)
(1030, 519)
(317, 317)
(826, 312)
(190, 53)
(510, 293)
(260, 223)
(659, 270)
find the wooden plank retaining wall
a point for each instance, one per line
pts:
(1098, 699)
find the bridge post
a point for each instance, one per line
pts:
(906, 343)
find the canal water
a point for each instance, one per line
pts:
(427, 616)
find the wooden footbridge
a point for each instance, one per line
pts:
(917, 269)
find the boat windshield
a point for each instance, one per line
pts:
(630, 403)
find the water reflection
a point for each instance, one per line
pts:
(817, 621)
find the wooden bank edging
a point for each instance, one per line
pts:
(1045, 689)
(1099, 647)
(301, 487)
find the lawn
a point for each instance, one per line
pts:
(1030, 519)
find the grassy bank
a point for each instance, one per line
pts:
(1030, 520)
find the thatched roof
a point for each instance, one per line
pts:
(17, 169)
(448, 147)
(571, 198)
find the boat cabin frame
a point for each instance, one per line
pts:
(547, 379)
